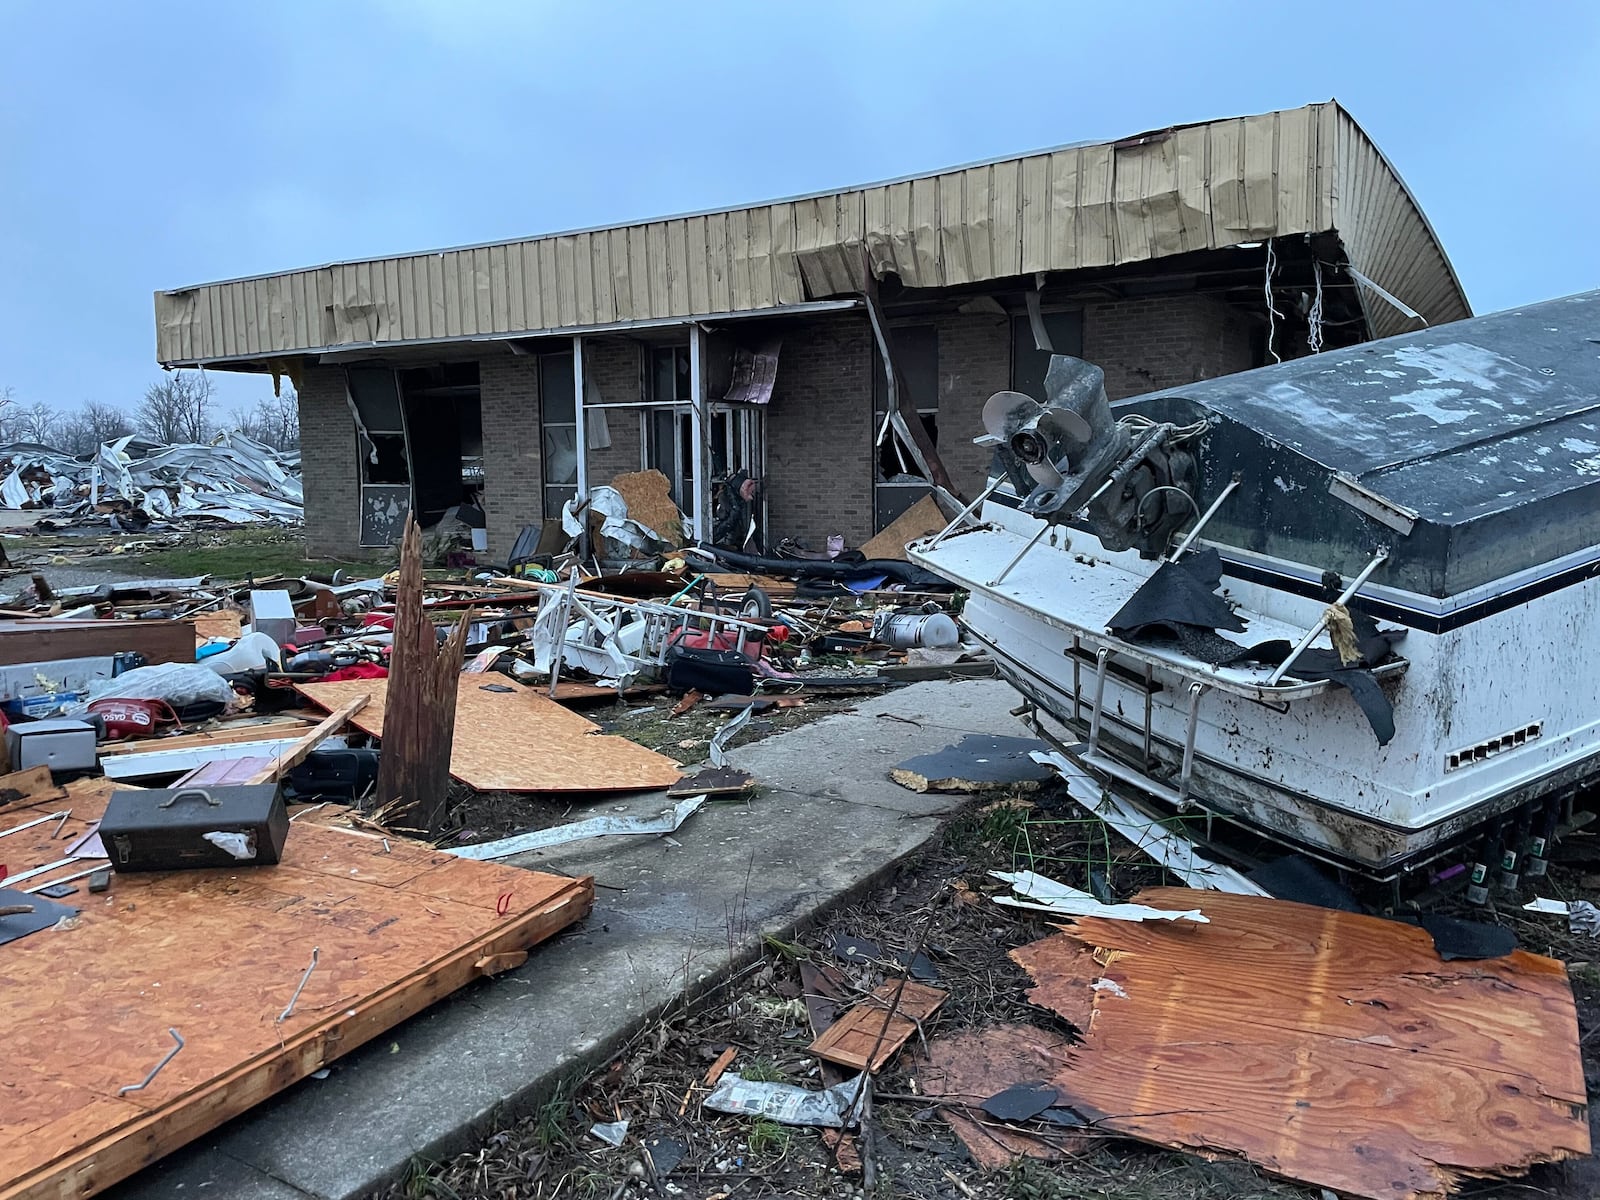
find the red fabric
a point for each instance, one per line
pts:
(378, 620)
(356, 671)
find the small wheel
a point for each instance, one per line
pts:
(756, 603)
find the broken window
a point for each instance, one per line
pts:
(900, 482)
(444, 430)
(558, 410)
(1028, 362)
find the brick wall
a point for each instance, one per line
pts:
(614, 367)
(513, 486)
(819, 433)
(1145, 345)
(974, 364)
(330, 469)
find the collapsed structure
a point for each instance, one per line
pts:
(748, 344)
(134, 482)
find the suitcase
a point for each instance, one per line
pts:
(177, 829)
(714, 672)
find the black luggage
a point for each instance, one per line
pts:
(177, 829)
(714, 672)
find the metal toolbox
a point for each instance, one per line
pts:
(181, 828)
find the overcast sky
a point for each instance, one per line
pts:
(154, 144)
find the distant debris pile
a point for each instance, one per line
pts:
(134, 483)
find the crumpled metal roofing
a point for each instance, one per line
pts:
(233, 480)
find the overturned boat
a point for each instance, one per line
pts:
(1347, 601)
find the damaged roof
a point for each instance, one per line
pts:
(1192, 187)
(1485, 433)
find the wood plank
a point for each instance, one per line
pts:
(396, 931)
(852, 1039)
(519, 740)
(291, 758)
(271, 730)
(29, 786)
(1332, 1048)
(47, 641)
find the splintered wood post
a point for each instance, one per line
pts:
(420, 718)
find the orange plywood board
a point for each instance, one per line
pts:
(519, 740)
(216, 954)
(869, 1034)
(1332, 1048)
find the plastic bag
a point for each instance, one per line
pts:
(179, 684)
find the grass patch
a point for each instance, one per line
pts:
(767, 1138)
(761, 1070)
(244, 554)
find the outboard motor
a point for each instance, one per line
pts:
(1069, 457)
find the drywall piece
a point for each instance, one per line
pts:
(868, 1035)
(1173, 852)
(1047, 895)
(513, 739)
(396, 925)
(1328, 1047)
(976, 763)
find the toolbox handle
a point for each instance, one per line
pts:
(190, 794)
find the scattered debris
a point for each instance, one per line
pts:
(1582, 916)
(785, 1103)
(577, 831)
(976, 763)
(1046, 895)
(872, 1032)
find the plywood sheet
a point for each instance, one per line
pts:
(1328, 1047)
(649, 498)
(921, 519)
(216, 955)
(519, 740)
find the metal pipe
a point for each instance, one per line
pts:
(1101, 658)
(967, 511)
(1205, 517)
(1184, 776)
(1032, 542)
(1322, 622)
(155, 1070)
(50, 883)
(1136, 456)
(55, 816)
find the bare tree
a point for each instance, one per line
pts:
(8, 414)
(274, 422)
(39, 422)
(180, 408)
(94, 423)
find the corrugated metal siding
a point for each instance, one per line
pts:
(1193, 188)
(1388, 238)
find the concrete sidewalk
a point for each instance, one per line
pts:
(826, 825)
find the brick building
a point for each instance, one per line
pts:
(1164, 258)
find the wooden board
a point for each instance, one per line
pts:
(1329, 1047)
(47, 641)
(851, 1040)
(268, 730)
(224, 623)
(519, 740)
(217, 954)
(921, 519)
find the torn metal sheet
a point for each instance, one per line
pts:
(577, 831)
(233, 480)
(717, 750)
(1173, 852)
(1044, 894)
